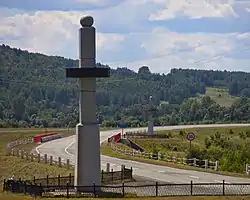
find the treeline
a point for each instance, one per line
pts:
(34, 91)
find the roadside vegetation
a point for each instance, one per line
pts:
(230, 146)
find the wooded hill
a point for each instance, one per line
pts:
(34, 91)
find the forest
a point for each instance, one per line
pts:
(34, 92)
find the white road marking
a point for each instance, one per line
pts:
(196, 177)
(161, 171)
(37, 151)
(66, 149)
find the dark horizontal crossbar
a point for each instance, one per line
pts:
(87, 72)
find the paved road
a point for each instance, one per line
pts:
(65, 148)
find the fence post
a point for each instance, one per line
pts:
(206, 164)
(68, 164)
(123, 190)
(112, 175)
(45, 159)
(191, 187)
(108, 167)
(51, 160)
(122, 172)
(131, 173)
(70, 178)
(216, 165)
(59, 161)
(156, 188)
(31, 157)
(223, 187)
(67, 190)
(58, 180)
(47, 180)
(194, 162)
(94, 190)
(159, 156)
(39, 158)
(25, 188)
(247, 169)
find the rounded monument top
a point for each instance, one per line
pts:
(87, 21)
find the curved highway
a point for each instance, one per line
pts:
(65, 148)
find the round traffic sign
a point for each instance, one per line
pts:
(190, 136)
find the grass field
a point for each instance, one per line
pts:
(18, 167)
(220, 95)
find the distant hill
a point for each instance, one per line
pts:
(34, 91)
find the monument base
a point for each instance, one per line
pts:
(87, 166)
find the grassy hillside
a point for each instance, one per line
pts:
(220, 96)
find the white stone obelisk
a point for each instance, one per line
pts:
(87, 166)
(150, 120)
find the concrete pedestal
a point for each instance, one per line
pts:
(87, 166)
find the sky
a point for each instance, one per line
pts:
(160, 34)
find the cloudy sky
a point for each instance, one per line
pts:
(162, 34)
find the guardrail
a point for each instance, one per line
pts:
(128, 190)
(191, 162)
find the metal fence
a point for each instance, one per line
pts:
(106, 178)
(118, 191)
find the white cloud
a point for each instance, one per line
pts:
(194, 9)
(50, 32)
(166, 50)
(56, 33)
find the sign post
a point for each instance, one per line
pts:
(190, 137)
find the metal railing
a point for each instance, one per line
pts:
(126, 190)
(106, 178)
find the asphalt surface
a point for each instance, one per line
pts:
(65, 148)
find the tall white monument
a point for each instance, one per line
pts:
(87, 166)
(150, 120)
